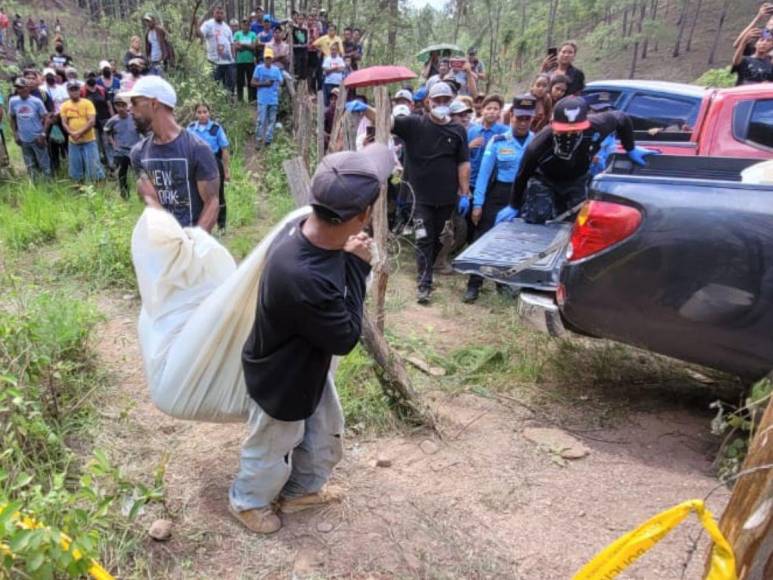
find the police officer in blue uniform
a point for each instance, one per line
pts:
(214, 135)
(498, 169)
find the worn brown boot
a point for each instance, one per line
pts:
(325, 496)
(260, 520)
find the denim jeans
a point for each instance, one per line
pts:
(106, 148)
(288, 458)
(84, 161)
(36, 159)
(266, 122)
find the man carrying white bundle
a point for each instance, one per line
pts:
(309, 309)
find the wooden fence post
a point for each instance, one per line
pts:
(747, 522)
(320, 126)
(380, 212)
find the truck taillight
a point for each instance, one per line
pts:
(599, 225)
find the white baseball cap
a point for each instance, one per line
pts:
(48, 71)
(403, 94)
(153, 87)
(441, 89)
(104, 64)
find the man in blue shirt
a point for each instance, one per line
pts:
(497, 170)
(479, 134)
(214, 136)
(29, 121)
(267, 78)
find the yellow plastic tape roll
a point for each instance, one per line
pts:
(624, 551)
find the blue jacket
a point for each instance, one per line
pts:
(216, 140)
(476, 155)
(503, 154)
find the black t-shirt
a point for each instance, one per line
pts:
(61, 60)
(753, 70)
(99, 98)
(432, 156)
(539, 158)
(576, 80)
(300, 37)
(310, 303)
(174, 169)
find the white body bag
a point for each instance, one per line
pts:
(198, 309)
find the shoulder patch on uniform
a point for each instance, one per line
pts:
(499, 137)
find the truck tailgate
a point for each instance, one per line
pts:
(517, 253)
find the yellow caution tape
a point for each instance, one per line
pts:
(624, 551)
(95, 570)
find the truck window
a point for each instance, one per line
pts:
(658, 112)
(761, 124)
(594, 96)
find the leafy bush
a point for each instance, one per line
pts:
(362, 399)
(47, 373)
(716, 77)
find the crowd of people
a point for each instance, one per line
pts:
(451, 138)
(467, 159)
(31, 35)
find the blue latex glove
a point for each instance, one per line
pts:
(638, 155)
(506, 214)
(463, 207)
(356, 107)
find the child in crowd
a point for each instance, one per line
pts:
(544, 106)
(214, 136)
(558, 85)
(123, 135)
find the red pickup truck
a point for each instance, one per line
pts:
(735, 122)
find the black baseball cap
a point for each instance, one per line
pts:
(345, 184)
(524, 106)
(570, 114)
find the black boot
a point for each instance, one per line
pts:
(471, 295)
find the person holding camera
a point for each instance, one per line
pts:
(468, 72)
(560, 61)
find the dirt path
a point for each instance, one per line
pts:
(483, 502)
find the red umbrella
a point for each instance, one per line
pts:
(378, 75)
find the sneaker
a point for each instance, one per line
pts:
(260, 520)
(292, 505)
(422, 295)
(471, 295)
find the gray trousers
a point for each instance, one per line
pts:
(288, 458)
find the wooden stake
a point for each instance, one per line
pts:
(380, 212)
(747, 522)
(320, 126)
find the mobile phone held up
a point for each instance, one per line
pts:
(553, 51)
(457, 63)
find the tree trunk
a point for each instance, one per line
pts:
(380, 213)
(392, 30)
(625, 20)
(552, 21)
(747, 522)
(653, 18)
(682, 23)
(458, 19)
(692, 26)
(715, 44)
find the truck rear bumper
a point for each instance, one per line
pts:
(540, 312)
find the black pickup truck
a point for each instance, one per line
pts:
(675, 257)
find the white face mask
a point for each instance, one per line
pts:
(440, 111)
